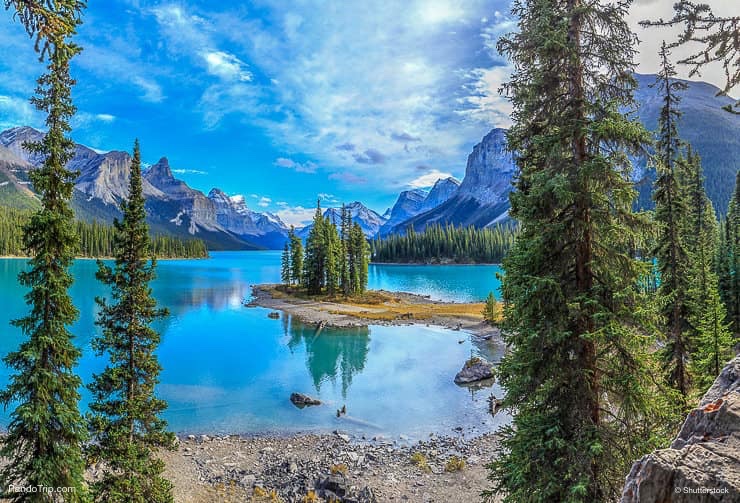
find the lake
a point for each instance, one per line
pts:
(231, 369)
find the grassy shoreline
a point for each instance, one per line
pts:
(375, 307)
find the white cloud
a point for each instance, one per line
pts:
(16, 111)
(296, 215)
(428, 179)
(227, 66)
(300, 167)
(189, 172)
(105, 117)
(264, 202)
(373, 92)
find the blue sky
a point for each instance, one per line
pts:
(284, 101)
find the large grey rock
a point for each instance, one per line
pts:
(703, 463)
(474, 370)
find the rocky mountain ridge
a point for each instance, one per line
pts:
(172, 206)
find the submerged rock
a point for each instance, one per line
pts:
(273, 315)
(703, 463)
(300, 400)
(476, 369)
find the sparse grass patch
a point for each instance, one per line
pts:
(455, 464)
(421, 461)
(310, 497)
(261, 495)
(340, 468)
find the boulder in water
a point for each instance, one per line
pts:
(300, 400)
(476, 369)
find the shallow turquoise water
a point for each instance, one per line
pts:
(452, 283)
(231, 369)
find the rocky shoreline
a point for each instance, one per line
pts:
(233, 468)
(334, 314)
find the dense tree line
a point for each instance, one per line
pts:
(441, 244)
(335, 259)
(95, 238)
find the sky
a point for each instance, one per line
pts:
(287, 102)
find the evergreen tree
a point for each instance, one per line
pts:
(296, 256)
(344, 235)
(361, 258)
(333, 257)
(46, 431)
(670, 214)
(125, 413)
(490, 310)
(315, 256)
(714, 341)
(578, 373)
(285, 275)
(729, 260)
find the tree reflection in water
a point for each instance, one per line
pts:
(330, 352)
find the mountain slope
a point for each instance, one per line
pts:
(483, 194)
(482, 198)
(369, 220)
(172, 206)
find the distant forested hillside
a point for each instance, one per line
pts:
(446, 244)
(96, 239)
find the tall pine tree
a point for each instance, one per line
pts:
(671, 212)
(578, 373)
(45, 433)
(728, 260)
(296, 256)
(125, 413)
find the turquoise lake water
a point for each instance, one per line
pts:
(231, 369)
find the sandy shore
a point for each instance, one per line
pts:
(337, 314)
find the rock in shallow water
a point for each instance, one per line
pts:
(476, 369)
(300, 400)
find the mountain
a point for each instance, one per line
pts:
(413, 202)
(482, 198)
(172, 206)
(14, 181)
(369, 220)
(483, 195)
(233, 215)
(408, 205)
(711, 131)
(442, 190)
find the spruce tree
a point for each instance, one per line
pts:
(125, 413)
(314, 264)
(671, 212)
(296, 256)
(285, 270)
(45, 433)
(578, 374)
(729, 259)
(490, 310)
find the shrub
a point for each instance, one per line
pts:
(455, 464)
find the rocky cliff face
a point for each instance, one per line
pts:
(443, 189)
(703, 463)
(408, 205)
